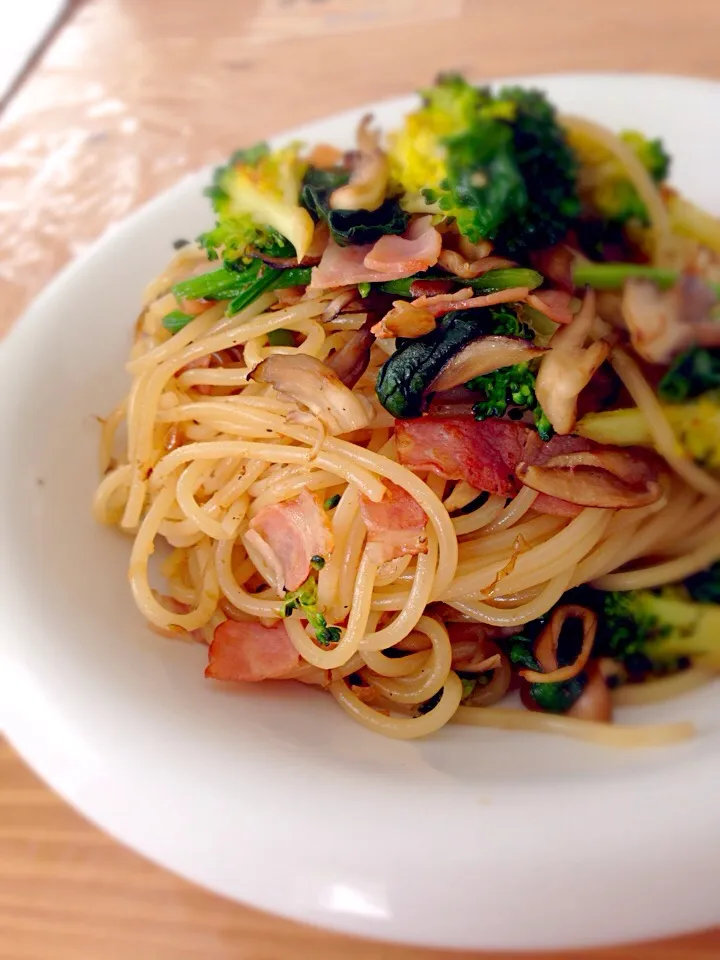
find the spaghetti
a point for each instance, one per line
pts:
(317, 532)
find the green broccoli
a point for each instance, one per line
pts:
(705, 585)
(691, 374)
(255, 197)
(510, 386)
(305, 599)
(607, 190)
(659, 628)
(498, 164)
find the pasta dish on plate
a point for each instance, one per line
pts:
(435, 422)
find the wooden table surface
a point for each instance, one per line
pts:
(127, 96)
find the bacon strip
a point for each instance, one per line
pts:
(289, 534)
(416, 250)
(249, 652)
(390, 258)
(395, 525)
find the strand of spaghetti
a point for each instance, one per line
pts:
(412, 609)
(532, 531)
(273, 453)
(657, 691)
(639, 176)
(514, 511)
(264, 608)
(431, 676)
(664, 438)
(108, 429)
(354, 544)
(256, 351)
(520, 578)
(357, 622)
(603, 734)
(143, 547)
(188, 483)
(284, 490)
(695, 526)
(660, 573)
(636, 541)
(307, 673)
(233, 377)
(401, 728)
(190, 334)
(385, 666)
(329, 576)
(479, 518)
(564, 548)
(629, 543)
(108, 486)
(516, 616)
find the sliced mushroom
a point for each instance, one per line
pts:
(484, 356)
(351, 361)
(568, 367)
(369, 178)
(312, 383)
(546, 645)
(613, 479)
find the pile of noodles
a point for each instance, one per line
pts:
(192, 467)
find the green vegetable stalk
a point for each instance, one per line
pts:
(305, 599)
(613, 276)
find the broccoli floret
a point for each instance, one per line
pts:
(510, 386)
(255, 197)
(662, 627)
(705, 585)
(607, 190)
(691, 374)
(651, 153)
(499, 164)
(305, 598)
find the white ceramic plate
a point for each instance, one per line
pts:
(473, 838)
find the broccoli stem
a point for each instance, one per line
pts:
(489, 282)
(505, 279)
(612, 276)
(293, 277)
(216, 285)
(622, 428)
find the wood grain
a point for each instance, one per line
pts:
(129, 96)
